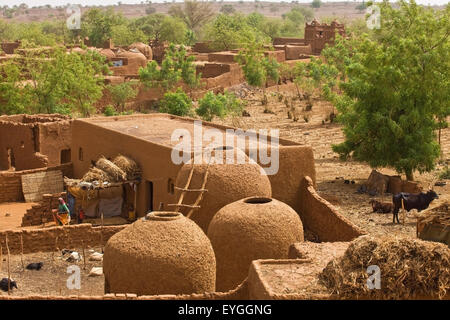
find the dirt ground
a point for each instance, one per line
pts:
(11, 214)
(52, 278)
(330, 170)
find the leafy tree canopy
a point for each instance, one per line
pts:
(394, 87)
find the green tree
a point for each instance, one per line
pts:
(258, 68)
(56, 82)
(176, 66)
(395, 89)
(218, 105)
(121, 94)
(13, 99)
(194, 13)
(161, 28)
(176, 103)
(99, 25)
(233, 31)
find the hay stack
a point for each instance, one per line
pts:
(410, 268)
(128, 165)
(111, 169)
(96, 174)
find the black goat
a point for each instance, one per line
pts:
(35, 266)
(4, 284)
(419, 201)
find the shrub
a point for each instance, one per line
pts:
(218, 105)
(109, 111)
(121, 94)
(176, 103)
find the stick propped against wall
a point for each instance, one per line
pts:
(9, 259)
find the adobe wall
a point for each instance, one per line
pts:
(278, 55)
(295, 163)
(240, 293)
(23, 140)
(11, 181)
(202, 47)
(222, 56)
(35, 141)
(322, 218)
(211, 70)
(10, 47)
(44, 240)
(318, 35)
(41, 212)
(294, 52)
(286, 40)
(53, 138)
(154, 160)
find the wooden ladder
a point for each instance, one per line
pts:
(186, 189)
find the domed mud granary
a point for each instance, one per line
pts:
(163, 253)
(226, 183)
(250, 229)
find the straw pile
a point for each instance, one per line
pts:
(410, 268)
(96, 174)
(128, 165)
(111, 169)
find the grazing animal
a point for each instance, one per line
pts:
(35, 266)
(419, 201)
(381, 207)
(4, 284)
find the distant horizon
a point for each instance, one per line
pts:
(54, 3)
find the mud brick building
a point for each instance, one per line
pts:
(147, 140)
(34, 141)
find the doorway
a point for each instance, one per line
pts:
(149, 192)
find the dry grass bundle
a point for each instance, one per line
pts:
(96, 174)
(410, 268)
(128, 165)
(111, 169)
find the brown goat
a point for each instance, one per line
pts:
(381, 207)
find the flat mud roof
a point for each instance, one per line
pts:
(159, 127)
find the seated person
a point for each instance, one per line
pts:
(62, 217)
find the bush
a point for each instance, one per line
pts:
(121, 94)
(176, 103)
(218, 105)
(109, 111)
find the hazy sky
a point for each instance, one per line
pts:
(32, 3)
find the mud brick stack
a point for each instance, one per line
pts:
(42, 212)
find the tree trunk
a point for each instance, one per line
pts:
(409, 175)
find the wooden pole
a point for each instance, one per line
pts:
(101, 232)
(9, 259)
(1, 258)
(56, 247)
(84, 254)
(21, 251)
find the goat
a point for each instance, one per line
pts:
(409, 201)
(4, 284)
(381, 207)
(35, 266)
